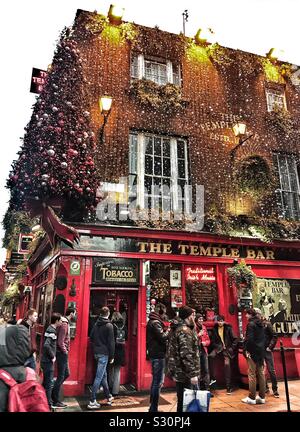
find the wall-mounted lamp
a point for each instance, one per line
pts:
(239, 130)
(105, 109)
(204, 36)
(115, 14)
(274, 54)
(72, 292)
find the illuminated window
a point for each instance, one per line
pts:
(158, 70)
(288, 190)
(275, 100)
(159, 176)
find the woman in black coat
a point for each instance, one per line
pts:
(120, 335)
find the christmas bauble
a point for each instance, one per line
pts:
(64, 165)
(51, 152)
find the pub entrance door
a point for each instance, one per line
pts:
(125, 302)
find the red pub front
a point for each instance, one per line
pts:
(130, 269)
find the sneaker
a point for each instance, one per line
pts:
(59, 405)
(229, 391)
(109, 400)
(213, 381)
(260, 400)
(267, 390)
(249, 401)
(93, 405)
(276, 394)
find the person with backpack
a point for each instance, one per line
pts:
(157, 335)
(62, 356)
(102, 338)
(29, 322)
(20, 390)
(49, 355)
(114, 369)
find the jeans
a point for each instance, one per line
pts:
(205, 379)
(63, 372)
(180, 386)
(101, 377)
(254, 369)
(30, 362)
(158, 376)
(269, 359)
(227, 366)
(48, 372)
(114, 378)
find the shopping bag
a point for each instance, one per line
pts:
(196, 400)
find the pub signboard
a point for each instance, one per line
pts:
(116, 272)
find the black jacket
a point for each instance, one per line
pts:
(119, 359)
(230, 340)
(156, 337)
(49, 347)
(255, 338)
(14, 350)
(270, 336)
(102, 337)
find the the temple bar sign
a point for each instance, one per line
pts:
(203, 249)
(37, 80)
(115, 271)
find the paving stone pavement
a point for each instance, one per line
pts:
(220, 403)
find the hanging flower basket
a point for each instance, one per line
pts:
(241, 276)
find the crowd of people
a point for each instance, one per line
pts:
(188, 354)
(182, 349)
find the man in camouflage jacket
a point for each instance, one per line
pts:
(183, 362)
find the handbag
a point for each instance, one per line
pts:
(195, 400)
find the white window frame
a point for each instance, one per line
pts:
(169, 69)
(174, 178)
(272, 95)
(288, 212)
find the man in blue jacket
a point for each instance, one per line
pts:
(102, 338)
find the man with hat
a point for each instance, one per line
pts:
(183, 363)
(270, 343)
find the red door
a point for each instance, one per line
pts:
(124, 302)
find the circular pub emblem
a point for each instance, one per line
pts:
(75, 268)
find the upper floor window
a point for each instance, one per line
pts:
(155, 69)
(288, 190)
(158, 172)
(275, 99)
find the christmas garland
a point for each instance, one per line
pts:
(253, 175)
(241, 275)
(161, 97)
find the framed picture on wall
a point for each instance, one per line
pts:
(175, 278)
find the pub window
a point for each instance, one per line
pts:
(201, 290)
(288, 190)
(165, 287)
(275, 99)
(158, 172)
(160, 71)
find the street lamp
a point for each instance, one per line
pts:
(239, 130)
(105, 109)
(204, 36)
(115, 14)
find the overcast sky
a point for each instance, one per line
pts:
(29, 31)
